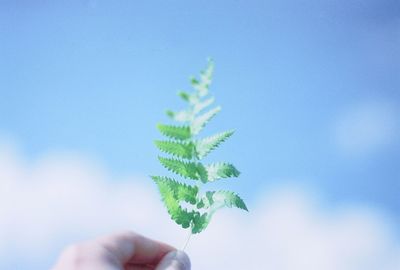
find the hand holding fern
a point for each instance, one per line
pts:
(122, 251)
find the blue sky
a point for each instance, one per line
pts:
(95, 77)
(311, 87)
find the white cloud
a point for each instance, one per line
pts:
(62, 198)
(367, 127)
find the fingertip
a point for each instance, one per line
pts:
(175, 260)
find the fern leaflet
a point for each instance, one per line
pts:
(217, 171)
(175, 132)
(206, 145)
(199, 122)
(189, 170)
(185, 150)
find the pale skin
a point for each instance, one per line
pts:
(122, 251)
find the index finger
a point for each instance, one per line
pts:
(130, 247)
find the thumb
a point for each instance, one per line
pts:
(174, 260)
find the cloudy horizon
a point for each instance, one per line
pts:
(59, 199)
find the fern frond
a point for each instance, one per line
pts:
(178, 149)
(175, 132)
(189, 170)
(199, 122)
(206, 145)
(217, 171)
(187, 151)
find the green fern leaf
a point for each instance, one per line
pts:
(217, 171)
(206, 145)
(175, 132)
(191, 98)
(201, 105)
(203, 84)
(199, 122)
(206, 201)
(179, 215)
(229, 199)
(188, 115)
(206, 76)
(218, 199)
(189, 170)
(185, 96)
(183, 217)
(201, 88)
(180, 191)
(178, 149)
(200, 222)
(181, 116)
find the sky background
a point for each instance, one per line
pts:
(312, 89)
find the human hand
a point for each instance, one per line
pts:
(122, 251)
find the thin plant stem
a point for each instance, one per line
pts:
(187, 240)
